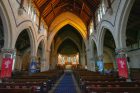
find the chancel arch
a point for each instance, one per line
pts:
(67, 18)
(68, 41)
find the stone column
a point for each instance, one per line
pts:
(47, 63)
(88, 58)
(54, 60)
(91, 57)
(83, 60)
(43, 64)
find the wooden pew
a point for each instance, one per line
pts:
(113, 90)
(16, 90)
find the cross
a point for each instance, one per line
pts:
(7, 63)
(122, 64)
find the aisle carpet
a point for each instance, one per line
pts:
(66, 85)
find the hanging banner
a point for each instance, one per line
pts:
(122, 67)
(33, 66)
(100, 65)
(6, 69)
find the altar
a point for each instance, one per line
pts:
(68, 67)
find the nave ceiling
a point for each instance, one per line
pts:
(50, 9)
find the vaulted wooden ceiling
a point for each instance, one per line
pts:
(49, 9)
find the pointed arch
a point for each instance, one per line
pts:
(101, 36)
(68, 37)
(64, 19)
(122, 24)
(32, 39)
(7, 26)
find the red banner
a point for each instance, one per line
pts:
(122, 67)
(6, 68)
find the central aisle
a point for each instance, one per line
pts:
(66, 85)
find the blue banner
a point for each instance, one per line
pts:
(100, 65)
(33, 66)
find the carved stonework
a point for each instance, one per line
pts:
(20, 11)
(100, 57)
(110, 11)
(121, 52)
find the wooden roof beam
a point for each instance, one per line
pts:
(53, 9)
(74, 4)
(42, 8)
(89, 5)
(82, 8)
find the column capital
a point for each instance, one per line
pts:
(43, 59)
(8, 51)
(121, 52)
(100, 57)
(3, 50)
(33, 58)
(48, 50)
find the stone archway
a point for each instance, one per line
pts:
(41, 56)
(122, 24)
(6, 26)
(64, 19)
(107, 45)
(71, 34)
(23, 43)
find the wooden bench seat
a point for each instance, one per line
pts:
(113, 90)
(17, 90)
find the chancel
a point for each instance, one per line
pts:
(68, 61)
(69, 46)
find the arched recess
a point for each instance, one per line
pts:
(32, 37)
(100, 36)
(100, 39)
(122, 24)
(68, 37)
(131, 32)
(32, 34)
(107, 48)
(65, 19)
(24, 42)
(40, 55)
(7, 29)
(68, 48)
(76, 43)
(1, 34)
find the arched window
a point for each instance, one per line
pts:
(91, 27)
(63, 60)
(101, 11)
